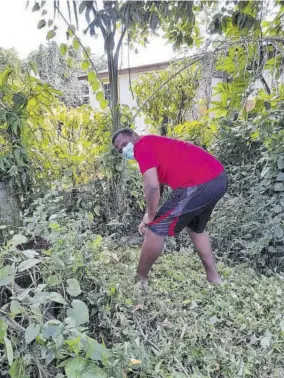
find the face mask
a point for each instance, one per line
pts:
(128, 151)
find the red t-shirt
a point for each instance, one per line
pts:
(179, 164)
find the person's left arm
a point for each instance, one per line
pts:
(152, 197)
(151, 192)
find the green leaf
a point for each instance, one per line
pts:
(44, 297)
(15, 307)
(279, 187)
(27, 264)
(31, 332)
(36, 7)
(96, 351)
(280, 177)
(104, 104)
(100, 96)
(73, 288)
(92, 77)
(6, 275)
(79, 368)
(3, 330)
(41, 24)
(76, 44)
(54, 226)
(85, 64)
(63, 49)
(18, 239)
(52, 328)
(30, 253)
(9, 350)
(79, 311)
(51, 34)
(96, 85)
(97, 242)
(265, 342)
(17, 369)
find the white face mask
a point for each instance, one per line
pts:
(128, 151)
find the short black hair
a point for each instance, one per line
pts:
(125, 130)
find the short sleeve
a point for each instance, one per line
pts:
(145, 155)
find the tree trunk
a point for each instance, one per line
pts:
(113, 82)
(9, 209)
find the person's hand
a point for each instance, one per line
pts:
(142, 226)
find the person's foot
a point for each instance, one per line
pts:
(214, 278)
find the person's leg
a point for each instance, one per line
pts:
(203, 245)
(152, 248)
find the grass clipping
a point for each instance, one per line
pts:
(184, 327)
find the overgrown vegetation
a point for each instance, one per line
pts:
(78, 312)
(68, 303)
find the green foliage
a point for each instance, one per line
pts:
(113, 330)
(171, 104)
(23, 99)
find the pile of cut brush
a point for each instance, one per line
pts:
(69, 308)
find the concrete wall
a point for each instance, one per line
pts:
(126, 98)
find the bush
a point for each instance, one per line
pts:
(79, 312)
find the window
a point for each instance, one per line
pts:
(85, 94)
(107, 91)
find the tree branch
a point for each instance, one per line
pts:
(81, 44)
(207, 55)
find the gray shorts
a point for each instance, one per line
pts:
(189, 207)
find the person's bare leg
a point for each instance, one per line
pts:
(203, 245)
(152, 248)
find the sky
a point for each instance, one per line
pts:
(18, 29)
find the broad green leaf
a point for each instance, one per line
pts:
(96, 351)
(2, 227)
(53, 280)
(51, 34)
(104, 104)
(280, 177)
(31, 332)
(17, 369)
(54, 226)
(92, 77)
(80, 368)
(76, 44)
(100, 96)
(44, 297)
(73, 287)
(95, 85)
(52, 328)
(265, 342)
(15, 307)
(9, 350)
(79, 311)
(30, 253)
(85, 64)
(27, 264)
(18, 239)
(279, 187)
(41, 24)
(98, 241)
(6, 275)
(63, 49)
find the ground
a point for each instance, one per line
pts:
(184, 327)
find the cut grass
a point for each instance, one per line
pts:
(184, 327)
